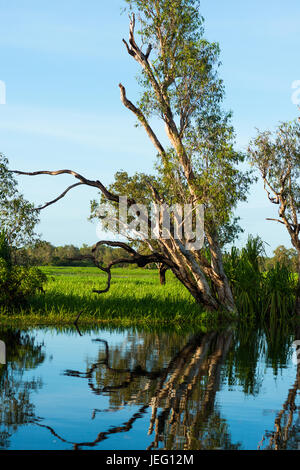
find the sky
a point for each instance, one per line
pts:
(62, 61)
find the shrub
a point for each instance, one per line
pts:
(17, 283)
(279, 292)
(258, 294)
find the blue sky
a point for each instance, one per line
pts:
(62, 62)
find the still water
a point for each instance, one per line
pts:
(133, 389)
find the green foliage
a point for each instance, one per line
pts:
(244, 276)
(5, 251)
(284, 256)
(279, 287)
(264, 295)
(277, 158)
(17, 216)
(183, 60)
(17, 283)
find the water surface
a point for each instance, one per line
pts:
(104, 390)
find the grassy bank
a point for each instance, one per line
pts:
(135, 297)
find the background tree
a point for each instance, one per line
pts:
(18, 220)
(199, 166)
(41, 253)
(17, 283)
(286, 257)
(17, 216)
(277, 157)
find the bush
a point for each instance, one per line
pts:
(5, 251)
(259, 294)
(279, 292)
(17, 283)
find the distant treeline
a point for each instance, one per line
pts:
(285, 257)
(44, 253)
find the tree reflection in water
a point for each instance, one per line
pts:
(286, 434)
(174, 386)
(15, 406)
(181, 394)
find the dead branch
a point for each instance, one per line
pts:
(102, 435)
(94, 183)
(123, 245)
(59, 197)
(135, 258)
(129, 105)
(276, 220)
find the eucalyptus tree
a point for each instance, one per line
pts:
(277, 157)
(198, 164)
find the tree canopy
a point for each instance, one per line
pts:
(18, 218)
(277, 158)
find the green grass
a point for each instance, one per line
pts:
(135, 297)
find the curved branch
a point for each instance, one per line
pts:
(47, 204)
(123, 245)
(277, 220)
(125, 427)
(94, 183)
(135, 258)
(129, 105)
(58, 172)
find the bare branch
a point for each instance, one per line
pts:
(94, 183)
(131, 31)
(277, 220)
(131, 52)
(135, 258)
(47, 204)
(129, 105)
(274, 200)
(148, 52)
(123, 245)
(142, 59)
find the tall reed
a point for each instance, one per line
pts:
(259, 294)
